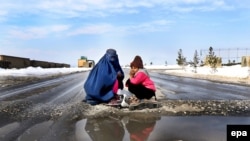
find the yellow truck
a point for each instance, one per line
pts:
(83, 62)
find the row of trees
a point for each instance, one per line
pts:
(212, 60)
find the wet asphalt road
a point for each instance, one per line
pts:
(23, 107)
(36, 111)
(195, 89)
(70, 88)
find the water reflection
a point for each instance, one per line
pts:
(140, 130)
(119, 129)
(105, 129)
(127, 128)
(171, 128)
(195, 128)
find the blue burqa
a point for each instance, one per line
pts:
(100, 82)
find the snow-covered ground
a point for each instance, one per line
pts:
(233, 73)
(39, 72)
(10, 77)
(230, 74)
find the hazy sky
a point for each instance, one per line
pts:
(64, 30)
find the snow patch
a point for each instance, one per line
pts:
(38, 71)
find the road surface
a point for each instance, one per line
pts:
(196, 89)
(52, 109)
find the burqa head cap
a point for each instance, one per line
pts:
(111, 53)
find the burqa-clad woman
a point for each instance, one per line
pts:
(104, 79)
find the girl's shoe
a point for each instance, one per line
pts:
(143, 104)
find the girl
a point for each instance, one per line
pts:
(139, 82)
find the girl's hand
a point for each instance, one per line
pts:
(131, 73)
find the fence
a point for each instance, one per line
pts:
(229, 55)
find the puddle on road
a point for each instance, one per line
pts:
(205, 128)
(36, 132)
(8, 128)
(172, 128)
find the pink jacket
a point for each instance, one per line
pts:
(142, 77)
